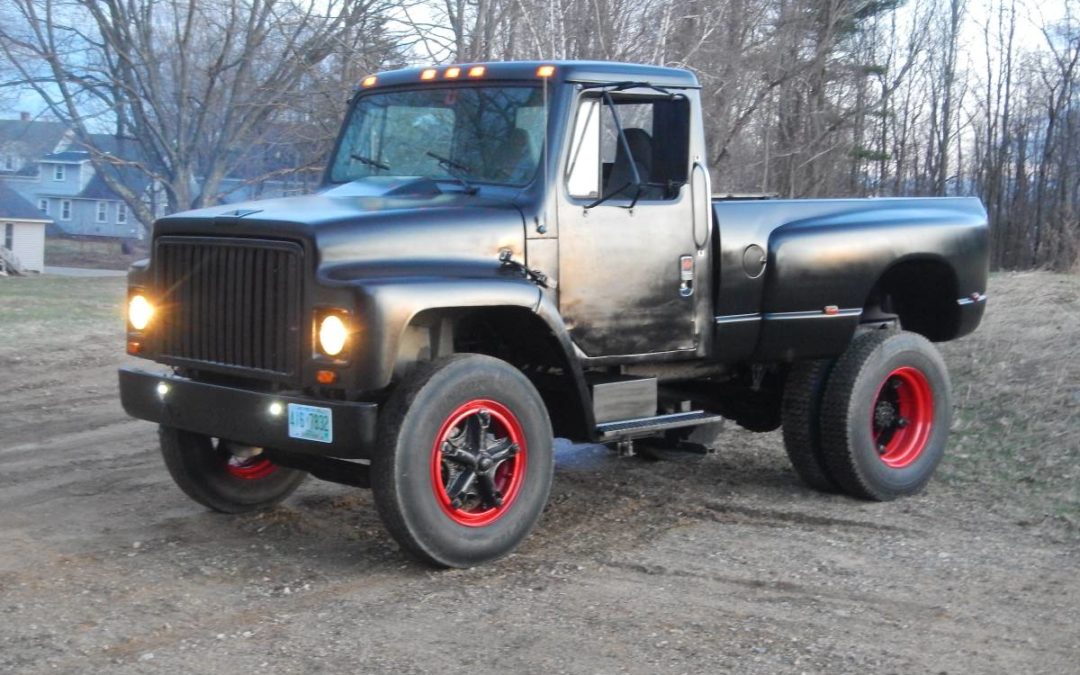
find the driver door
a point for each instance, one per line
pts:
(627, 255)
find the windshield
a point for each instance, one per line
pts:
(484, 134)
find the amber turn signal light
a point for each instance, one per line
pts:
(325, 376)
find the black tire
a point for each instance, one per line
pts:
(413, 478)
(801, 415)
(208, 473)
(886, 415)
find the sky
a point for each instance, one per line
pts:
(1032, 15)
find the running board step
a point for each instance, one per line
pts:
(646, 425)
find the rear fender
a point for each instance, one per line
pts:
(821, 271)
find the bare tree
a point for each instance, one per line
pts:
(801, 97)
(193, 84)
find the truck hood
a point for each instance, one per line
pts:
(373, 228)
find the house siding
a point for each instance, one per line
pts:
(84, 219)
(72, 184)
(28, 243)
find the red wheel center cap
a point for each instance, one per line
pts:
(902, 417)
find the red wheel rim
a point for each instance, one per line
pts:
(460, 448)
(902, 416)
(251, 468)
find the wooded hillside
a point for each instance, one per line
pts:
(803, 98)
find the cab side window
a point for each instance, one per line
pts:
(653, 148)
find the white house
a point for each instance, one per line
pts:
(23, 231)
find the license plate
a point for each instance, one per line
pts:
(311, 423)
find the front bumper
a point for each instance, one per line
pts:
(244, 416)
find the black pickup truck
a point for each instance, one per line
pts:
(503, 253)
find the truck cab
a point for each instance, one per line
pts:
(502, 253)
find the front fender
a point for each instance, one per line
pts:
(387, 306)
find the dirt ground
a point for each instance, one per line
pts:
(728, 564)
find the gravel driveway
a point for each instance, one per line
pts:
(727, 564)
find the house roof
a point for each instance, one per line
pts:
(67, 157)
(14, 207)
(97, 188)
(31, 139)
(126, 149)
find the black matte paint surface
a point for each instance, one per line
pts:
(387, 249)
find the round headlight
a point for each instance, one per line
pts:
(332, 335)
(140, 311)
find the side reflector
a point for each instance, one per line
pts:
(831, 310)
(428, 74)
(325, 376)
(369, 81)
(452, 72)
(477, 71)
(545, 71)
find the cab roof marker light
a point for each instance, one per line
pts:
(452, 72)
(545, 71)
(369, 81)
(428, 74)
(477, 71)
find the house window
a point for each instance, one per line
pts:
(102, 212)
(65, 209)
(9, 162)
(121, 214)
(43, 205)
(58, 172)
(9, 236)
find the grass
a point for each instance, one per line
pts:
(39, 313)
(1016, 390)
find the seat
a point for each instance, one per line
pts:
(620, 181)
(515, 161)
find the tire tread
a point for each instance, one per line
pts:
(800, 411)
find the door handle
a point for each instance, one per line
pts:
(686, 276)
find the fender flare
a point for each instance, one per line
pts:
(386, 307)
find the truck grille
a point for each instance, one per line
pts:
(230, 304)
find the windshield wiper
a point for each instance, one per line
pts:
(370, 162)
(457, 170)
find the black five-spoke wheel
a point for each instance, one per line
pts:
(478, 462)
(465, 460)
